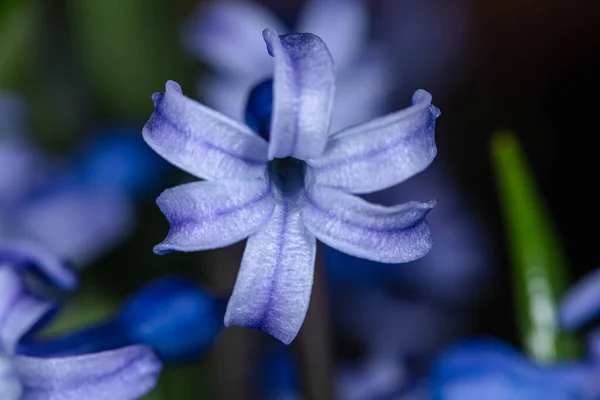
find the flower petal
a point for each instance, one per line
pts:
(385, 234)
(78, 224)
(380, 153)
(303, 90)
(202, 141)
(21, 254)
(10, 385)
(274, 283)
(582, 302)
(224, 33)
(345, 34)
(226, 95)
(209, 215)
(127, 373)
(18, 311)
(372, 78)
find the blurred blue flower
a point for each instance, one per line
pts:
(82, 208)
(497, 371)
(454, 271)
(128, 372)
(298, 186)
(117, 159)
(223, 34)
(171, 315)
(493, 370)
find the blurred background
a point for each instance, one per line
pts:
(79, 75)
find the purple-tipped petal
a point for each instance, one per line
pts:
(78, 225)
(345, 34)
(582, 302)
(381, 153)
(18, 311)
(21, 254)
(385, 234)
(274, 283)
(303, 93)
(224, 33)
(124, 374)
(209, 215)
(201, 141)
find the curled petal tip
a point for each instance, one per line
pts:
(172, 85)
(156, 97)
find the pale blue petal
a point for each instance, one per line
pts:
(19, 311)
(362, 91)
(124, 374)
(582, 302)
(78, 224)
(10, 384)
(226, 34)
(22, 168)
(345, 34)
(20, 254)
(202, 141)
(381, 153)
(226, 95)
(208, 215)
(385, 234)
(303, 93)
(274, 283)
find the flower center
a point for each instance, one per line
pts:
(10, 385)
(287, 177)
(260, 107)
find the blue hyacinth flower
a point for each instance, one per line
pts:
(490, 369)
(123, 373)
(495, 370)
(223, 34)
(79, 208)
(298, 186)
(172, 315)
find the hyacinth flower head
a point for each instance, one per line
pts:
(125, 373)
(222, 33)
(299, 185)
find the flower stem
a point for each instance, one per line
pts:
(232, 354)
(313, 344)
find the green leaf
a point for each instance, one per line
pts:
(128, 50)
(539, 267)
(17, 21)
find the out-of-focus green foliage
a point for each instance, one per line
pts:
(538, 263)
(128, 50)
(17, 20)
